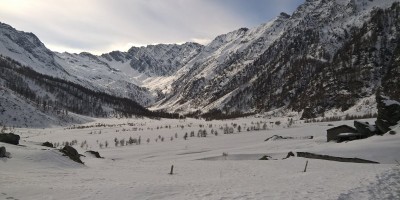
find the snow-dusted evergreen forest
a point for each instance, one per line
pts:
(305, 106)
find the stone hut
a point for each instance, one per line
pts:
(342, 133)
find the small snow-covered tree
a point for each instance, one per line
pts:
(204, 133)
(116, 141)
(130, 141)
(226, 130)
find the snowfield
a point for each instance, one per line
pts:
(200, 169)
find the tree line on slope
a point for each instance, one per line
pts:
(54, 94)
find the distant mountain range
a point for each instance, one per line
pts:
(327, 54)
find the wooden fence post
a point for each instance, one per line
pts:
(305, 168)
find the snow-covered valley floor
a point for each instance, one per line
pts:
(142, 171)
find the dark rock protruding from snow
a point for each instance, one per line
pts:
(9, 138)
(278, 137)
(290, 154)
(48, 144)
(284, 15)
(2, 152)
(72, 154)
(388, 113)
(95, 153)
(265, 157)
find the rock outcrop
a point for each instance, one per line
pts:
(48, 144)
(72, 154)
(95, 154)
(9, 138)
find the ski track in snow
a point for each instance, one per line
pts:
(386, 186)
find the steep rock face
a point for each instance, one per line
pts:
(323, 69)
(124, 73)
(162, 59)
(96, 73)
(327, 54)
(156, 60)
(391, 81)
(207, 77)
(27, 49)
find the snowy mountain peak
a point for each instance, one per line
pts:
(326, 55)
(157, 60)
(26, 48)
(270, 66)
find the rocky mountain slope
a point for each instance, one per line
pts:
(326, 55)
(83, 69)
(157, 60)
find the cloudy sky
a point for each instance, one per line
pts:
(100, 26)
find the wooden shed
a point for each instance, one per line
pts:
(336, 133)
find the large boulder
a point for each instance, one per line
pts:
(48, 144)
(2, 152)
(94, 153)
(9, 138)
(388, 113)
(72, 154)
(365, 129)
(265, 157)
(290, 154)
